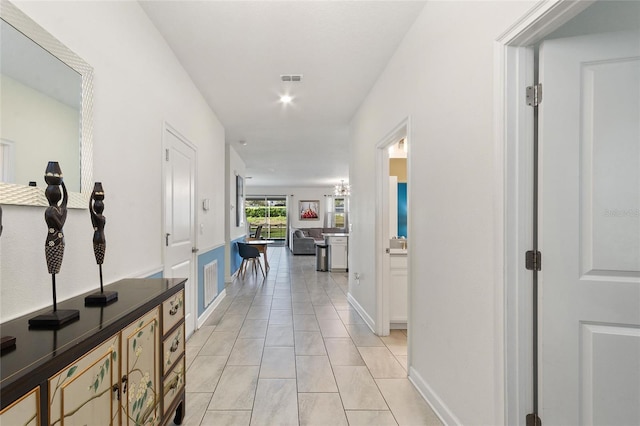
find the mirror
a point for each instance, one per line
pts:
(46, 113)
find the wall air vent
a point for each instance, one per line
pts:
(291, 77)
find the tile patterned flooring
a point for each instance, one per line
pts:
(290, 350)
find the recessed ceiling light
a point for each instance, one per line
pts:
(285, 99)
(243, 142)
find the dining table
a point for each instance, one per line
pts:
(261, 245)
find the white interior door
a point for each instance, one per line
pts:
(180, 175)
(590, 230)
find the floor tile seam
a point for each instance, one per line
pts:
(384, 398)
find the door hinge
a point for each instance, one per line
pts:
(166, 154)
(534, 95)
(533, 420)
(533, 260)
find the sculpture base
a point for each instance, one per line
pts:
(101, 299)
(54, 319)
(7, 342)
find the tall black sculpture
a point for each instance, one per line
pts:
(96, 207)
(55, 215)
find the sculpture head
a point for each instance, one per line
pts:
(53, 173)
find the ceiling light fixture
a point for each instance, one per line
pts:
(342, 189)
(285, 99)
(243, 142)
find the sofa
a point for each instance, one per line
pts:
(303, 240)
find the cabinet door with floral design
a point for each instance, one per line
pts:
(141, 367)
(25, 411)
(86, 391)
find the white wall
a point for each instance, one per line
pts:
(57, 128)
(294, 195)
(234, 167)
(138, 84)
(442, 78)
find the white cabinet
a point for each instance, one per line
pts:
(398, 291)
(338, 252)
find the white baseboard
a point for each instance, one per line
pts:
(212, 307)
(437, 405)
(365, 316)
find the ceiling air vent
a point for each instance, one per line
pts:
(291, 77)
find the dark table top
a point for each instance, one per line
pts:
(37, 351)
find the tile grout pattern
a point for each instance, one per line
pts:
(290, 350)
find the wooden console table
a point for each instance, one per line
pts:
(119, 364)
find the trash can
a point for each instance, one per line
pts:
(322, 258)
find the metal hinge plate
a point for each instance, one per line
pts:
(533, 260)
(166, 154)
(534, 95)
(533, 420)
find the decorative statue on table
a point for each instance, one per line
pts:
(96, 207)
(55, 216)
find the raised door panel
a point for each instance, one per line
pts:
(85, 391)
(399, 289)
(141, 366)
(25, 411)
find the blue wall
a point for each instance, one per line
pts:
(156, 275)
(235, 256)
(402, 210)
(204, 259)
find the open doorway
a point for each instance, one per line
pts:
(267, 217)
(393, 232)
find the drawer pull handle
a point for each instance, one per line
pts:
(174, 309)
(175, 344)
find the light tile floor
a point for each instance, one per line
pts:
(290, 350)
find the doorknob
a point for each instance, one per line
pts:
(166, 239)
(194, 250)
(387, 250)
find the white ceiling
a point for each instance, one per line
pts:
(235, 52)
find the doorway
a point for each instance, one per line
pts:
(179, 239)
(584, 346)
(269, 214)
(393, 254)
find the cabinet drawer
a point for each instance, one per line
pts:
(172, 385)
(172, 311)
(25, 411)
(172, 348)
(338, 240)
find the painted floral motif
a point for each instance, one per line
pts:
(100, 372)
(142, 395)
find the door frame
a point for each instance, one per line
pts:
(166, 127)
(513, 71)
(402, 129)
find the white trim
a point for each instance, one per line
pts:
(208, 249)
(149, 272)
(365, 316)
(513, 67)
(444, 413)
(212, 307)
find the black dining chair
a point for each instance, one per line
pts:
(256, 235)
(249, 254)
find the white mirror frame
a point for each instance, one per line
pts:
(34, 196)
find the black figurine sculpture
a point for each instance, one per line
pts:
(96, 207)
(55, 215)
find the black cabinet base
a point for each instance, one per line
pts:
(101, 299)
(179, 417)
(54, 319)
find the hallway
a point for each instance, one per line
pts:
(291, 351)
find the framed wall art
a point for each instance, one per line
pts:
(309, 209)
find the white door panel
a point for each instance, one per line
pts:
(180, 220)
(590, 230)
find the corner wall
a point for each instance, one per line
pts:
(234, 167)
(441, 77)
